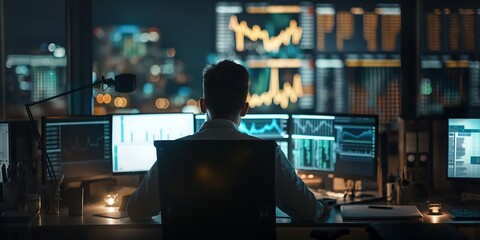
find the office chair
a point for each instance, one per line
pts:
(217, 189)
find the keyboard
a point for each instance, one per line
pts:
(465, 214)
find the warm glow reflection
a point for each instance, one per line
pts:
(435, 219)
(111, 199)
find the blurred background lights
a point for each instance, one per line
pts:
(52, 47)
(171, 52)
(120, 102)
(144, 37)
(155, 69)
(162, 103)
(148, 88)
(154, 36)
(59, 52)
(191, 102)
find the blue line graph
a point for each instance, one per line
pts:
(362, 137)
(80, 143)
(313, 127)
(77, 147)
(262, 127)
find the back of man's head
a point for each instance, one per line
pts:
(225, 87)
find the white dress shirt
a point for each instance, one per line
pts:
(292, 195)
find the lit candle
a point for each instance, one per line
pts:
(111, 199)
(434, 208)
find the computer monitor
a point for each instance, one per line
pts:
(265, 126)
(463, 149)
(16, 140)
(133, 136)
(78, 146)
(344, 145)
(4, 151)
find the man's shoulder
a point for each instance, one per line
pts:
(227, 135)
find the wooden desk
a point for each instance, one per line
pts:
(91, 227)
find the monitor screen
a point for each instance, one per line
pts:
(265, 126)
(133, 136)
(463, 150)
(78, 147)
(275, 42)
(344, 145)
(4, 151)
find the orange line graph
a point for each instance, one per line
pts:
(291, 34)
(289, 93)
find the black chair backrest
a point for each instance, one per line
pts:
(217, 189)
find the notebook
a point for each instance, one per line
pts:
(370, 212)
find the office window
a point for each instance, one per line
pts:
(164, 43)
(36, 58)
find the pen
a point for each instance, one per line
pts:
(380, 207)
(59, 183)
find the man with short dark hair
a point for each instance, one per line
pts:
(225, 90)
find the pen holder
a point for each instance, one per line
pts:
(75, 202)
(52, 203)
(13, 196)
(390, 191)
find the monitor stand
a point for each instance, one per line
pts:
(95, 190)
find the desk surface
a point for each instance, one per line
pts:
(334, 219)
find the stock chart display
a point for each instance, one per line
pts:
(265, 126)
(463, 149)
(337, 56)
(77, 147)
(450, 62)
(344, 145)
(133, 136)
(358, 58)
(313, 142)
(275, 42)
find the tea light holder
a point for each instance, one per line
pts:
(111, 200)
(434, 209)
